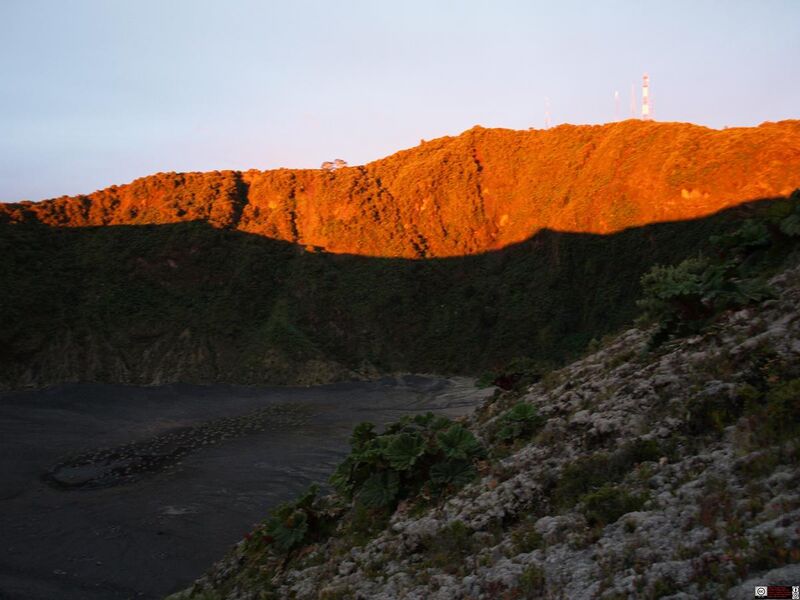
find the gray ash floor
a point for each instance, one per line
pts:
(117, 492)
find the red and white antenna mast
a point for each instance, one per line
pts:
(647, 114)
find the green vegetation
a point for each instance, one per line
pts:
(767, 407)
(781, 412)
(591, 473)
(525, 538)
(713, 414)
(421, 454)
(532, 582)
(447, 548)
(685, 297)
(298, 523)
(419, 458)
(773, 412)
(518, 374)
(520, 422)
(263, 308)
(607, 504)
(665, 587)
(362, 523)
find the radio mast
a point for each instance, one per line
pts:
(647, 114)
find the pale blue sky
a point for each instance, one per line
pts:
(95, 93)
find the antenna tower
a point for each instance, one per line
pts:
(647, 114)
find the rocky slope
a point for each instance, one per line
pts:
(657, 473)
(454, 196)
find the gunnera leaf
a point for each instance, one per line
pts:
(380, 489)
(403, 450)
(456, 473)
(306, 501)
(432, 422)
(458, 442)
(521, 412)
(342, 478)
(372, 452)
(363, 433)
(518, 421)
(289, 531)
(509, 432)
(425, 419)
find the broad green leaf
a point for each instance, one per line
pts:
(363, 433)
(458, 442)
(380, 489)
(521, 412)
(288, 531)
(508, 432)
(452, 472)
(402, 450)
(306, 501)
(342, 480)
(521, 419)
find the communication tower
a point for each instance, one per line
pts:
(647, 113)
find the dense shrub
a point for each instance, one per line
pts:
(683, 298)
(782, 411)
(592, 472)
(521, 421)
(298, 523)
(447, 548)
(532, 582)
(423, 453)
(775, 410)
(607, 504)
(518, 374)
(712, 414)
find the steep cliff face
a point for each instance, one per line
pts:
(479, 191)
(533, 244)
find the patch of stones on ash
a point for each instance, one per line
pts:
(128, 463)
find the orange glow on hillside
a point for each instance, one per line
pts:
(480, 191)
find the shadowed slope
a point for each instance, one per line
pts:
(191, 302)
(479, 191)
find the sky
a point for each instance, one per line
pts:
(100, 92)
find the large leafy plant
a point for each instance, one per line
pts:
(521, 421)
(683, 298)
(295, 524)
(420, 453)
